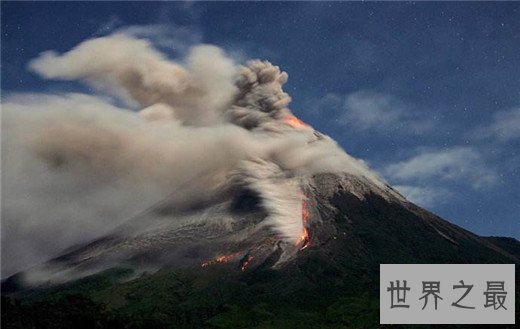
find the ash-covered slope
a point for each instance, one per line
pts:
(376, 230)
(351, 223)
(194, 276)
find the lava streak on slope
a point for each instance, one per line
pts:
(245, 262)
(221, 259)
(305, 239)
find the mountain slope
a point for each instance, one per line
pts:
(333, 282)
(349, 219)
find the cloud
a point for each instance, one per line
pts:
(366, 110)
(504, 127)
(425, 196)
(329, 106)
(461, 164)
(369, 110)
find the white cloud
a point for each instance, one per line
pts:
(424, 196)
(505, 126)
(455, 164)
(367, 110)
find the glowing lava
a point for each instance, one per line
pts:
(294, 122)
(246, 262)
(221, 259)
(305, 238)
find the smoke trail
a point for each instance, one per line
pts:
(197, 93)
(281, 195)
(76, 166)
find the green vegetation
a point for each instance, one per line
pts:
(192, 299)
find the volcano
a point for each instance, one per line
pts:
(285, 229)
(345, 218)
(154, 272)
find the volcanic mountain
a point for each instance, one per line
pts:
(289, 234)
(153, 271)
(348, 222)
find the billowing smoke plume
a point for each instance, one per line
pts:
(76, 166)
(197, 93)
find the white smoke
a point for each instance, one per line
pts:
(281, 195)
(76, 166)
(198, 92)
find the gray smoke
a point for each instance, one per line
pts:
(197, 92)
(75, 166)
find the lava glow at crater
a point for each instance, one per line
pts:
(294, 122)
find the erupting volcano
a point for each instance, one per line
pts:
(229, 179)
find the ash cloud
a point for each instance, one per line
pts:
(76, 166)
(198, 92)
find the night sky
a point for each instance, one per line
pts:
(428, 94)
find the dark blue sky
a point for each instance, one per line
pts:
(427, 93)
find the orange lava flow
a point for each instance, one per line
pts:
(246, 263)
(221, 259)
(305, 238)
(294, 122)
